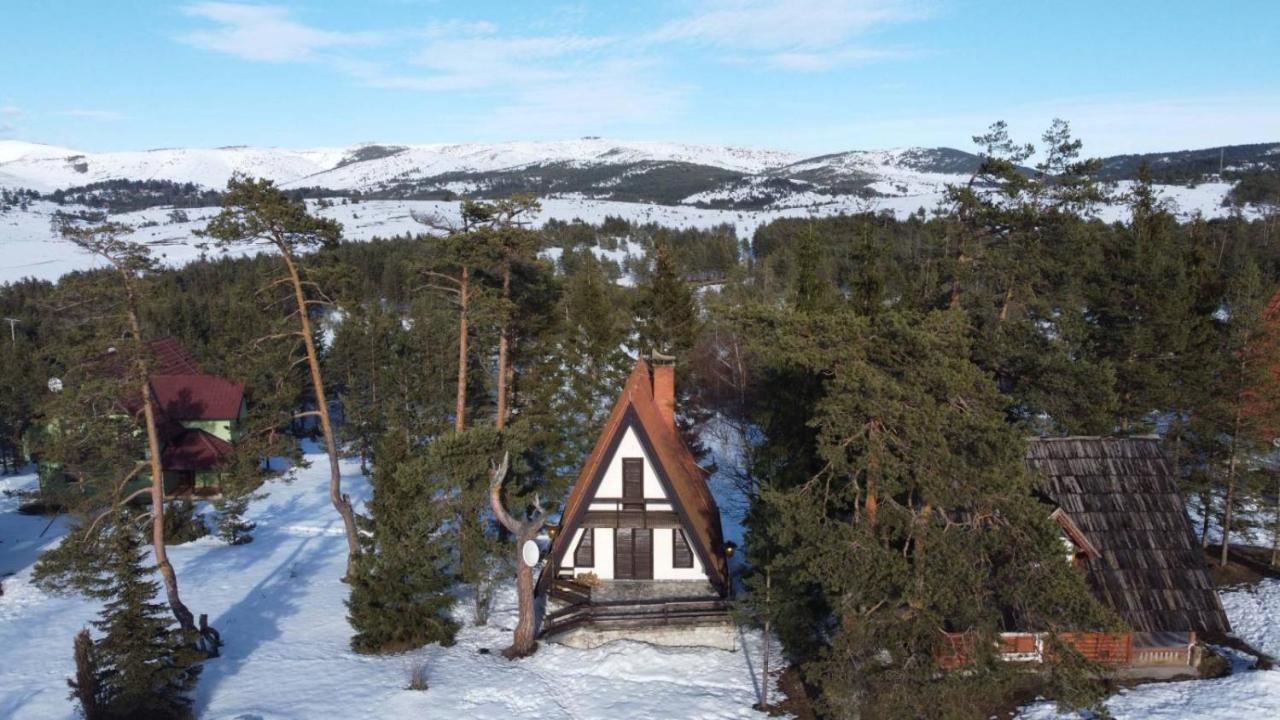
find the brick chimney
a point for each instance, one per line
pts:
(664, 387)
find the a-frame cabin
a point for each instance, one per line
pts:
(639, 553)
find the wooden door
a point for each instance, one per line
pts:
(642, 553)
(633, 554)
(632, 483)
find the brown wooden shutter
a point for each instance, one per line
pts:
(622, 554)
(682, 555)
(633, 482)
(585, 555)
(642, 556)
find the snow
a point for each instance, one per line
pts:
(45, 168)
(1244, 695)
(1255, 614)
(279, 606)
(29, 248)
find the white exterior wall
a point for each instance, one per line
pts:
(611, 483)
(663, 557)
(603, 568)
(611, 487)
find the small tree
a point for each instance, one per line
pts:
(140, 667)
(401, 594)
(256, 212)
(523, 640)
(84, 688)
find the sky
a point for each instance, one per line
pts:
(803, 75)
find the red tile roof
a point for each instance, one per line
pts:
(194, 450)
(197, 397)
(688, 481)
(170, 357)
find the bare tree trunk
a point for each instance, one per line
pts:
(503, 345)
(1275, 528)
(524, 641)
(341, 502)
(1008, 302)
(179, 609)
(460, 409)
(1231, 485)
(1205, 510)
(768, 629)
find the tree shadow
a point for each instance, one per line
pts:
(259, 617)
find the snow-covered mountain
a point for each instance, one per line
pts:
(590, 167)
(722, 177)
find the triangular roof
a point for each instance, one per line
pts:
(1143, 558)
(677, 470)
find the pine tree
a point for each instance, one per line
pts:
(894, 507)
(256, 212)
(666, 315)
(142, 667)
(402, 593)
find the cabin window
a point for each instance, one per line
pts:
(682, 555)
(585, 555)
(633, 483)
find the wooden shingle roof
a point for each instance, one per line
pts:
(1123, 496)
(677, 469)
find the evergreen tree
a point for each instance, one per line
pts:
(401, 596)
(141, 667)
(894, 508)
(666, 315)
(256, 212)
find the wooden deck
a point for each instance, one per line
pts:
(580, 610)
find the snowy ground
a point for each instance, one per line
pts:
(30, 248)
(1244, 695)
(279, 606)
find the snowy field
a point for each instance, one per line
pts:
(30, 248)
(279, 606)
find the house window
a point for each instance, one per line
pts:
(585, 555)
(633, 483)
(682, 555)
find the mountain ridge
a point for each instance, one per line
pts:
(598, 168)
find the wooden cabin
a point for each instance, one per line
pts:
(1124, 522)
(1124, 519)
(198, 417)
(638, 553)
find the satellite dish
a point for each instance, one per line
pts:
(530, 553)
(55, 385)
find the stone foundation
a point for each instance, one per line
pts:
(722, 635)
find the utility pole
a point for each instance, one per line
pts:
(13, 337)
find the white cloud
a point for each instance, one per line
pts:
(618, 92)
(801, 35)
(492, 61)
(265, 32)
(105, 115)
(11, 110)
(822, 60)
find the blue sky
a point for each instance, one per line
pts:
(806, 75)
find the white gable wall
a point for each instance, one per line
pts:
(663, 538)
(664, 556)
(611, 483)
